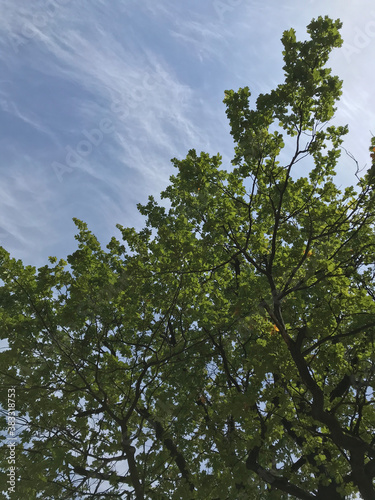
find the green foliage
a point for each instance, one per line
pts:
(227, 349)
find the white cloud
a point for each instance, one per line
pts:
(157, 70)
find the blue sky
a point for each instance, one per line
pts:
(97, 96)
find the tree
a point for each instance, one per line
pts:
(227, 349)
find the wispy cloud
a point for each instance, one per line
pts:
(149, 76)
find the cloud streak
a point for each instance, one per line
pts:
(150, 78)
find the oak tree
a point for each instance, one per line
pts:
(224, 351)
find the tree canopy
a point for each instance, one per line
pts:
(226, 350)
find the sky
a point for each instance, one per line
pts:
(97, 96)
